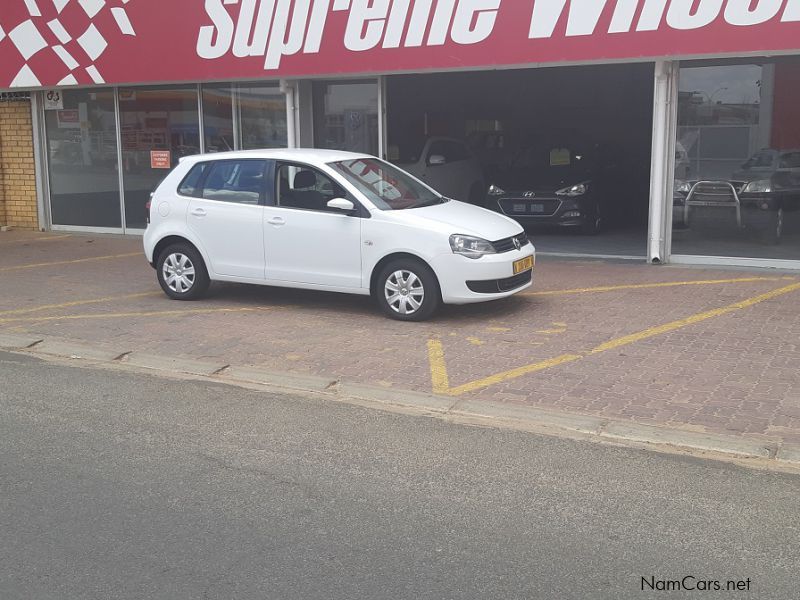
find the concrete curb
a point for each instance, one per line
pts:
(767, 452)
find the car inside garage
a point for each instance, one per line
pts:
(565, 151)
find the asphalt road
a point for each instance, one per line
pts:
(120, 485)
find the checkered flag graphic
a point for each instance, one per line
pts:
(65, 37)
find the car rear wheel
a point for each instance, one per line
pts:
(407, 290)
(182, 273)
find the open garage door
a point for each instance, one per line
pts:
(565, 151)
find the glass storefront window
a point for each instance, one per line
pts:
(218, 119)
(262, 117)
(346, 116)
(737, 180)
(158, 126)
(82, 160)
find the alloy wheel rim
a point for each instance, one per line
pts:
(179, 273)
(404, 292)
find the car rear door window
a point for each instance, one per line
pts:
(236, 181)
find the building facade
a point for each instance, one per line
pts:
(688, 109)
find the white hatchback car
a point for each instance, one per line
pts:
(328, 220)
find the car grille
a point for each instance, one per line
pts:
(495, 286)
(529, 207)
(507, 244)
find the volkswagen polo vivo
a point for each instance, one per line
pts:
(329, 220)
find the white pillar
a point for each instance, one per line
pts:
(662, 161)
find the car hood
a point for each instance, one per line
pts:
(460, 217)
(540, 181)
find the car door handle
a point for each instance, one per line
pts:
(277, 221)
(199, 212)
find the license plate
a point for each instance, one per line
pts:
(537, 208)
(523, 264)
(519, 208)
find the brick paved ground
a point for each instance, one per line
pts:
(735, 373)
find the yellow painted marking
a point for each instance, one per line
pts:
(475, 341)
(560, 324)
(21, 311)
(39, 239)
(440, 377)
(498, 329)
(552, 331)
(156, 313)
(512, 374)
(679, 324)
(643, 286)
(71, 262)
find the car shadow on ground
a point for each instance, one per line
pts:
(355, 305)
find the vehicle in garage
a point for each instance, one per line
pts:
(329, 220)
(447, 165)
(551, 185)
(763, 197)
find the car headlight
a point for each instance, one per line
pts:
(496, 191)
(758, 187)
(684, 187)
(471, 247)
(574, 190)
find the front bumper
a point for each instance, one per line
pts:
(546, 209)
(457, 274)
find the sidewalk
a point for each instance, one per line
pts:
(698, 350)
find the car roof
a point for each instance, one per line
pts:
(309, 155)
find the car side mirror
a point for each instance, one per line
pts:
(342, 205)
(435, 160)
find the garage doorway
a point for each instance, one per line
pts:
(565, 151)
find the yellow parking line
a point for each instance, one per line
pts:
(156, 313)
(36, 239)
(681, 323)
(71, 262)
(512, 374)
(440, 378)
(441, 384)
(22, 311)
(642, 286)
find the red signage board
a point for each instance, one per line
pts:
(160, 159)
(51, 43)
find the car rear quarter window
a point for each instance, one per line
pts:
(190, 186)
(235, 181)
(451, 150)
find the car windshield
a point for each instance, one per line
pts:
(386, 186)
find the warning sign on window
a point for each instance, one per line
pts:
(160, 159)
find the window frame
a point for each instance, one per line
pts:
(358, 211)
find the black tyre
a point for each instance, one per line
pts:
(593, 224)
(182, 273)
(407, 290)
(771, 231)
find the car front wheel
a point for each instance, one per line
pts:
(182, 273)
(407, 290)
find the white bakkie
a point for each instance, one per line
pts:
(329, 220)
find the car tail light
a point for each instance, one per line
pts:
(147, 210)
